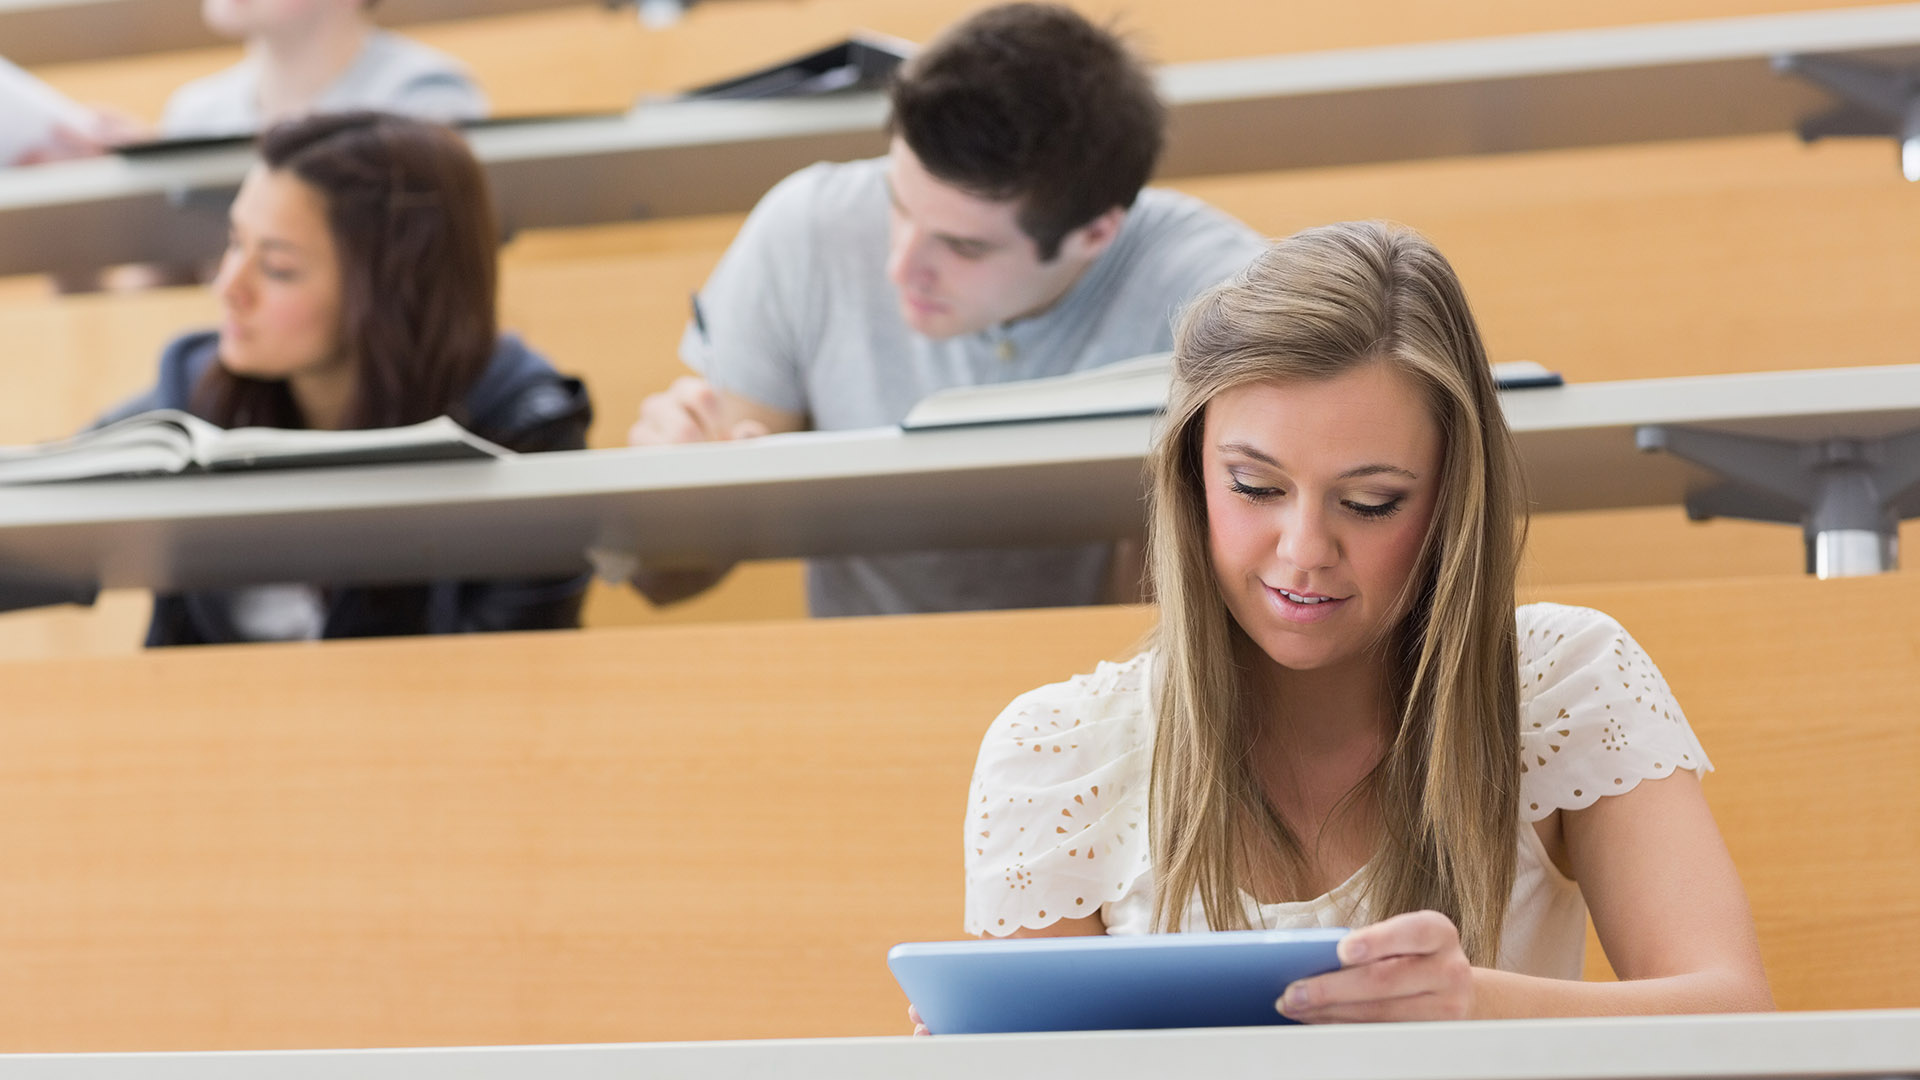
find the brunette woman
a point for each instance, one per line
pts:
(357, 291)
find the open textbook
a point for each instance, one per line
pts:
(168, 441)
(29, 112)
(1128, 388)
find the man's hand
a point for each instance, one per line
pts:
(692, 411)
(689, 411)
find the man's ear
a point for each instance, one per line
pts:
(1087, 242)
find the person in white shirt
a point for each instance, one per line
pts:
(26, 140)
(306, 56)
(39, 124)
(1343, 720)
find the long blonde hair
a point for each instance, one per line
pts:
(1311, 307)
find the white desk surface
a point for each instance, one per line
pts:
(1776, 1045)
(1522, 92)
(58, 31)
(821, 493)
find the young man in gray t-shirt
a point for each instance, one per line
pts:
(1005, 236)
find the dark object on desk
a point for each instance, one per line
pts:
(1524, 375)
(1228, 979)
(862, 62)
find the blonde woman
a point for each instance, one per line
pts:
(1343, 720)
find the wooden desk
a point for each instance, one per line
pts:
(717, 831)
(808, 494)
(58, 31)
(1807, 1046)
(1487, 95)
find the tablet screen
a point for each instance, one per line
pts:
(1226, 979)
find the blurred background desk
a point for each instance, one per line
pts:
(57, 31)
(813, 493)
(1521, 92)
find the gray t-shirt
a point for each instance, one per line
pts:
(391, 74)
(800, 316)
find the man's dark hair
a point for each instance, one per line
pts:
(1033, 102)
(413, 224)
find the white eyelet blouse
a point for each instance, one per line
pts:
(1057, 815)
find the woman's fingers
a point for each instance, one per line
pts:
(1415, 933)
(1397, 977)
(1416, 1007)
(1409, 967)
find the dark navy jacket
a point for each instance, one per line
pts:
(519, 402)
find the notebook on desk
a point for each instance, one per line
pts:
(167, 441)
(1127, 388)
(1227, 979)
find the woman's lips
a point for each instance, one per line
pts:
(1303, 607)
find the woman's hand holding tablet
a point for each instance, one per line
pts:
(1409, 967)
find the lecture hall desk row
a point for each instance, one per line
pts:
(716, 831)
(1695, 257)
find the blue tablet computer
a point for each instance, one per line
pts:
(1226, 979)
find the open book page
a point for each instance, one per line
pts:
(168, 441)
(29, 112)
(150, 443)
(439, 439)
(1127, 388)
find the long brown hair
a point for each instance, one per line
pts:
(1311, 307)
(413, 224)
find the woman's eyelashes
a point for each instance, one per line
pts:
(1369, 510)
(1249, 492)
(1376, 510)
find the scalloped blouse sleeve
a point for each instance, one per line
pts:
(1056, 816)
(1596, 717)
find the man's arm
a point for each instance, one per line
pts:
(692, 411)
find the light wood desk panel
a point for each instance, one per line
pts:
(686, 833)
(582, 57)
(709, 832)
(1802, 692)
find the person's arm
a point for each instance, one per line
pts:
(1667, 905)
(747, 340)
(1666, 902)
(691, 410)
